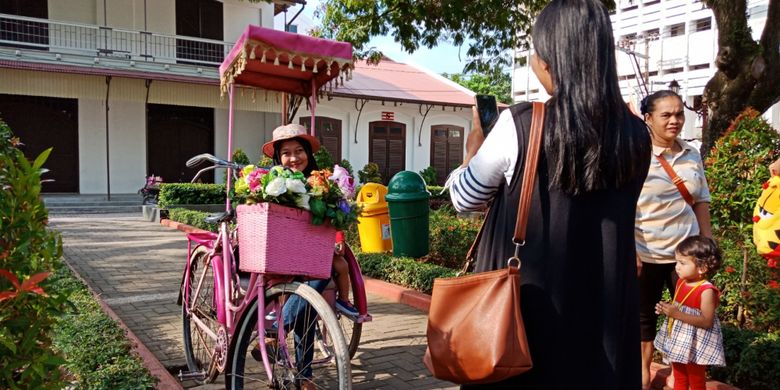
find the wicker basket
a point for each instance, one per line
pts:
(274, 239)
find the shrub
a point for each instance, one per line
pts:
(191, 193)
(402, 270)
(752, 358)
(440, 197)
(192, 218)
(238, 157)
(324, 159)
(736, 168)
(348, 166)
(29, 305)
(429, 175)
(370, 174)
(99, 355)
(265, 161)
(450, 237)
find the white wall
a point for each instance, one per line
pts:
(127, 137)
(417, 156)
(92, 147)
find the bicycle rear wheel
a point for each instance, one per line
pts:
(198, 346)
(326, 370)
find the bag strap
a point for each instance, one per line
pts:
(529, 178)
(529, 175)
(676, 180)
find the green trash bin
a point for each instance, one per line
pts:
(407, 200)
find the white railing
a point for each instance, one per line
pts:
(92, 40)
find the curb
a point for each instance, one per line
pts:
(422, 302)
(164, 378)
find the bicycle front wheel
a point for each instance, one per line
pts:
(294, 314)
(199, 347)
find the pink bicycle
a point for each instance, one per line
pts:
(266, 331)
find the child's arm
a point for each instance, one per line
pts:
(705, 320)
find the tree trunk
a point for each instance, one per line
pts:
(748, 72)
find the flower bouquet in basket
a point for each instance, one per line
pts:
(267, 231)
(327, 195)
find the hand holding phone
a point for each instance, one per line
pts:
(487, 111)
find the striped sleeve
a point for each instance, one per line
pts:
(472, 186)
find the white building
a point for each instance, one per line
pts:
(127, 88)
(672, 40)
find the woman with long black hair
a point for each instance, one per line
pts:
(579, 287)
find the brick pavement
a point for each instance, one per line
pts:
(136, 268)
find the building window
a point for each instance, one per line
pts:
(675, 30)
(199, 19)
(652, 33)
(673, 70)
(387, 142)
(446, 150)
(293, 28)
(23, 31)
(328, 132)
(701, 24)
(700, 66)
(627, 77)
(630, 38)
(651, 2)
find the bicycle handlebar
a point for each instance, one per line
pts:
(218, 163)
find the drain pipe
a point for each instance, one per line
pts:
(108, 155)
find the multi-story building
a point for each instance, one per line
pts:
(660, 41)
(127, 88)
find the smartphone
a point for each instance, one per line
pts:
(488, 112)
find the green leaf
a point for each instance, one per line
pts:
(42, 158)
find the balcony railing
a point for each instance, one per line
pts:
(91, 40)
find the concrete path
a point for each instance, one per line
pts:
(136, 268)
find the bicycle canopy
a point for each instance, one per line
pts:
(285, 62)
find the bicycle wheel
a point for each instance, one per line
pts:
(289, 366)
(198, 346)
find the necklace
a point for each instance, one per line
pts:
(674, 301)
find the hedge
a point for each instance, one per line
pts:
(192, 218)
(191, 193)
(403, 271)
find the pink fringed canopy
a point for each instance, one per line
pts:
(286, 62)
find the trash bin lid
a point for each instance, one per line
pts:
(407, 185)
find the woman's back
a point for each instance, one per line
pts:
(578, 273)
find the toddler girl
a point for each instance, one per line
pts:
(690, 336)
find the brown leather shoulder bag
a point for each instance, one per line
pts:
(475, 327)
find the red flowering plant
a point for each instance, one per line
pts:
(736, 169)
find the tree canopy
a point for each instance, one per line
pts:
(748, 71)
(494, 82)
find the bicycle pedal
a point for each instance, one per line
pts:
(191, 375)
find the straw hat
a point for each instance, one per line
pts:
(291, 130)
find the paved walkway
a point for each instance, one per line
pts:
(136, 268)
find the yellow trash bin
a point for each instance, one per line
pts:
(374, 220)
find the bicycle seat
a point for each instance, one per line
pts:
(224, 216)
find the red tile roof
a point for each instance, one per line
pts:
(394, 81)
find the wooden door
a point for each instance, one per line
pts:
(387, 148)
(173, 135)
(41, 123)
(328, 132)
(446, 150)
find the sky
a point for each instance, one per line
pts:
(443, 58)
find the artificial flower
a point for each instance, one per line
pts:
(344, 180)
(295, 186)
(276, 187)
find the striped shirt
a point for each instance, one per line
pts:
(472, 186)
(663, 218)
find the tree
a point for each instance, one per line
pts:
(748, 71)
(495, 82)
